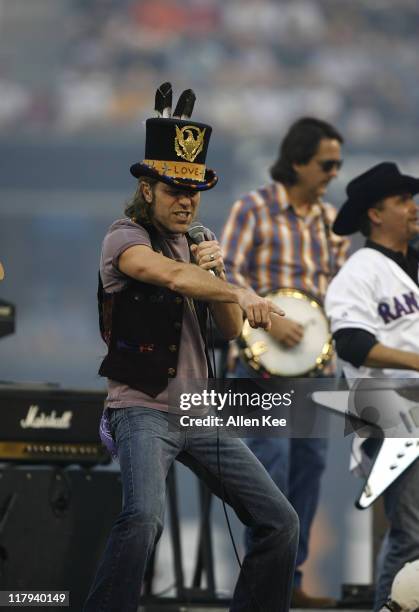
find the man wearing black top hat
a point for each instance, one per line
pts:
(373, 303)
(154, 301)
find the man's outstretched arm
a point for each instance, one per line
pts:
(142, 263)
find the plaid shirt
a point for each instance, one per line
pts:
(267, 246)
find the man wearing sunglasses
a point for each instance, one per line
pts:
(279, 236)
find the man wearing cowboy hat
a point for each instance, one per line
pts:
(154, 300)
(373, 304)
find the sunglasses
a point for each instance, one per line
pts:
(328, 164)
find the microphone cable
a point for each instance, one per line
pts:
(257, 606)
(197, 233)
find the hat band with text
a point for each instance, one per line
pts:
(176, 169)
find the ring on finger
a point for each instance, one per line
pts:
(212, 257)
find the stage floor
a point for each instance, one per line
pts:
(185, 608)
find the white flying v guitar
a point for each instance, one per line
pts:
(396, 413)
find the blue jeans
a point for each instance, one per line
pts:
(296, 466)
(146, 451)
(401, 542)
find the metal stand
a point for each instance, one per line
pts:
(205, 558)
(196, 593)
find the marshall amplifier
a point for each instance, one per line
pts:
(54, 523)
(45, 424)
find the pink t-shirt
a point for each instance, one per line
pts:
(192, 363)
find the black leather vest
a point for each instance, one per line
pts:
(142, 327)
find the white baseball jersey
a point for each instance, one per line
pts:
(373, 293)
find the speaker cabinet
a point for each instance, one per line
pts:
(54, 524)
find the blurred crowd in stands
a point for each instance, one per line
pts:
(255, 65)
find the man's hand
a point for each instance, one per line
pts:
(286, 331)
(208, 256)
(259, 311)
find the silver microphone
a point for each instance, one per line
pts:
(198, 233)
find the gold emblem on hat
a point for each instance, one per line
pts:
(189, 142)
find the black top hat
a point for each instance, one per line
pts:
(368, 188)
(176, 148)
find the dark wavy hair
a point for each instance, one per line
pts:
(299, 146)
(137, 208)
(365, 223)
